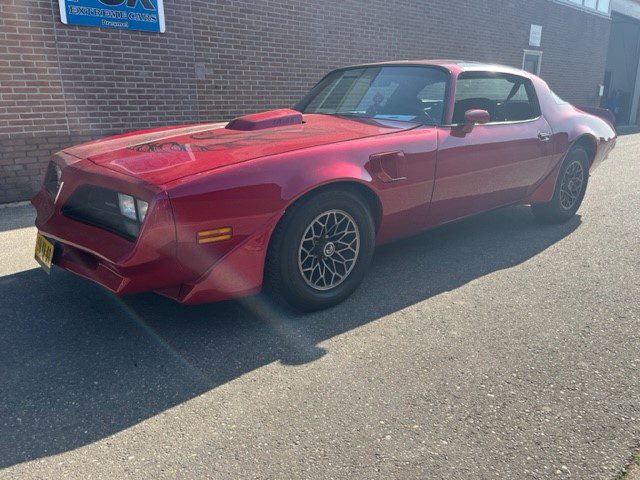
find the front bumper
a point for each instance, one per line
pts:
(159, 260)
(121, 265)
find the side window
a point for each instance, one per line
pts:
(507, 98)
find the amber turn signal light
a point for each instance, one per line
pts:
(217, 235)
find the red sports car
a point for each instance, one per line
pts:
(296, 200)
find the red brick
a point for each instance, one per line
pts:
(61, 85)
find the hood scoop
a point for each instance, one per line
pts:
(259, 121)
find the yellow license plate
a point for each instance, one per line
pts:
(44, 252)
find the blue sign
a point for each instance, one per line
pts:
(145, 15)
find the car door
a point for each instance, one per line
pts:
(496, 163)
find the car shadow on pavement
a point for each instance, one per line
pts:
(13, 217)
(79, 364)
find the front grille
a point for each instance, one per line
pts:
(98, 206)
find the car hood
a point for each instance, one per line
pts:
(163, 155)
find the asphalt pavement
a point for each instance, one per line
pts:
(491, 348)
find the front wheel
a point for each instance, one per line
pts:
(570, 189)
(320, 250)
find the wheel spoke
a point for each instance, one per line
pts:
(329, 250)
(572, 185)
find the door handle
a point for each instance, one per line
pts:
(544, 136)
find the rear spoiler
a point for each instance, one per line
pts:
(603, 113)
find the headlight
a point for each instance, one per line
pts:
(52, 179)
(132, 208)
(127, 206)
(142, 209)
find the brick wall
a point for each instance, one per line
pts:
(61, 85)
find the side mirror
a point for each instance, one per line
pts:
(473, 118)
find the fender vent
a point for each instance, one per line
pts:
(388, 167)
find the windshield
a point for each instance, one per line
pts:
(410, 94)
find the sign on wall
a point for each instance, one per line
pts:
(535, 36)
(145, 15)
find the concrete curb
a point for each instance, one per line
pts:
(15, 204)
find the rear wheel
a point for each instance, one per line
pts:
(320, 250)
(570, 189)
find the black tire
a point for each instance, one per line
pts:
(284, 279)
(566, 201)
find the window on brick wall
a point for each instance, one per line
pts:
(531, 62)
(600, 6)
